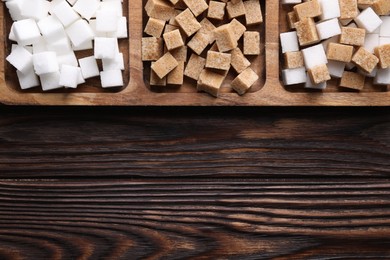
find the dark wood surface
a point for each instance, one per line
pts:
(206, 183)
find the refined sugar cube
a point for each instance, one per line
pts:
(50, 81)
(105, 48)
(68, 58)
(111, 78)
(86, 8)
(89, 67)
(330, 9)
(385, 27)
(20, 58)
(69, 76)
(294, 76)
(114, 64)
(336, 68)
(51, 28)
(371, 42)
(382, 77)
(289, 42)
(65, 13)
(106, 21)
(328, 29)
(314, 56)
(28, 79)
(35, 9)
(45, 62)
(79, 32)
(26, 32)
(368, 20)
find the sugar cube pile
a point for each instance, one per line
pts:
(48, 35)
(347, 40)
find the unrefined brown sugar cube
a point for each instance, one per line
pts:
(154, 27)
(194, 66)
(164, 65)
(381, 7)
(225, 38)
(173, 40)
(365, 60)
(243, 82)
(307, 32)
(239, 61)
(348, 9)
(352, 36)
(180, 54)
(352, 80)
(237, 28)
(152, 48)
(308, 9)
(155, 80)
(208, 29)
(319, 74)
(210, 82)
(197, 7)
(383, 53)
(293, 60)
(176, 76)
(253, 12)
(160, 9)
(339, 52)
(292, 19)
(218, 60)
(235, 10)
(363, 4)
(199, 42)
(251, 43)
(188, 22)
(170, 28)
(216, 10)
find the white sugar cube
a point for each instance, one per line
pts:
(92, 24)
(79, 32)
(106, 21)
(80, 77)
(371, 42)
(45, 62)
(286, 2)
(50, 81)
(85, 46)
(289, 41)
(114, 64)
(11, 35)
(111, 78)
(384, 40)
(382, 77)
(35, 9)
(69, 76)
(105, 48)
(89, 67)
(314, 56)
(328, 29)
(15, 9)
(28, 79)
(336, 68)
(86, 8)
(51, 28)
(294, 76)
(385, 27)
(60, 46)
(26, 32)
(368, 20)
(65, 14)
(114, 5)
(20, 58)
(40, 46)
(330, 9)
(309, 84)
(68, 58)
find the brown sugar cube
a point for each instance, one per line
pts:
(216, 10)
(199, 42)
(381, 7)
(194, 66)
(307, 32)
(155, 80)
(188, 22)
(154, 27)
(152, 48)
(339, 52)
(383, 53)
(253, 13)
(292, 18)
(173, 40)
(172, 21)
(293, 59)
(218, 60)
(176, 76)
(180, 54)
(164, 65)
(160, 9)
(352, 80)
(243, 82)
(170, 28)
(197, 7)
(319, 74)
(363, 4)
(210, 82)
(348, 9)
(225, 38)
(208, 29)
(308, 9)
(238, 29)
(239, 61)
(352, 36)
(235, 10)
(365, 60)
(251, 43)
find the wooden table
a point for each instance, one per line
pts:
(205, 183)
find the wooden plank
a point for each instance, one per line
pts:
(179, 143)
(192, 219)
(271, 93)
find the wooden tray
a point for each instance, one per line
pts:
(137, 92)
